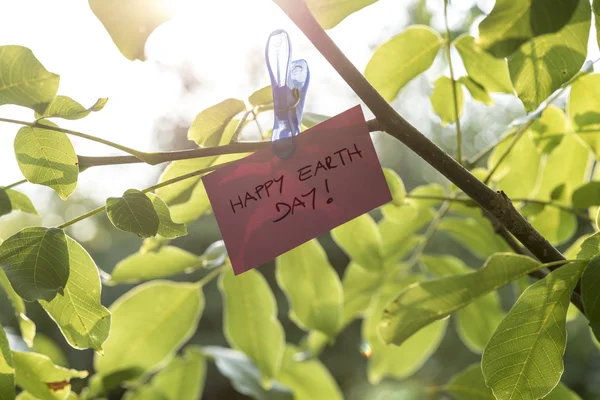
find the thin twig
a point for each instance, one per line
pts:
(454, 88)
(519, 133)
(12, 185)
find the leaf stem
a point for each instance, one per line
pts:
(518, 134)
(139, 154)
(211, 275)
(429, 233)
(12, 185)
(454, 88)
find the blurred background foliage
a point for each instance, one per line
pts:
(481, 126)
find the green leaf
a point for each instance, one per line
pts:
(244, 375)
(478, 92)
(590, 284)
(476, 322)
(556, 225)
(541, 66)
(426, 302)
(208, 126)
(582, 109)
(42, 344)
(309, 380)
(166, 228)
(403, 58)
(11, 200)
(511, 24)
(396, 186)
(550, 129)
(47, 158)
(23, 79)
(590, 247)
(250, 320)
(7, 371)
(562, 392)
(393, 361)
(476, 234)
(311, 119)
(134, 213)
(525, 353)
(173, 194)
(67, 108)
(262, 97)
(36, 262)
(361, 240)
(82, 319)
(442, 100)
(486, 70)
(312, 287)
(398, 236)
(182, 379)
(329, 13)
(26, 325)
(359, 285)
(34, 372)
(587, 196)
(167, 261)
(140, 319)
(130, 23)
(469, 385)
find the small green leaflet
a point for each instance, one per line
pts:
(82, 319)
(42, 344)
(361, 240)
(475, 234)
(166, 228)
(35, 371)
(589, 248)
(130, 23)
(134, 213)
(36, 262)
(182, 379)
(477, 91)
(167, 261)
(67, 108)
(590, 292)
(442, 100)
(360, 285)
(423, 303)
(23, 79)
(26, 325)
(7, 371)
(208, 126)
(582, 110)
(140, 319)
(587, 196)
(47, 157)
(262, 98)
(396, 186)
(11, 200)
(329, 13)
(402, 59)
(312, 287)
(525, 353)
(250, 320)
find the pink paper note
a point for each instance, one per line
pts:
(266, 206)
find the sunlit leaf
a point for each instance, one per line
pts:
(7, 371)
(166, 228)
(329, 13)
(396, 186)
(38, 375)
(361, 240)
(582, 109)
(587, 196)
(42, 344)
(130, 22)
(359, 285)
(477, 91)
(311, 119)
(47, 157)
(309, 380)
(140, 320)
(469, 385)
(133, 212)
(486, 70)
(208, 126)
(390, 360)
(11, 200)
(82, 319)
(425, 302)
(442, 100)
(476, 234)
(27, 326)
(36, 262)
(67, 108)
(250, 320)
(556, 225)
(182, 379)
(590, 292)
(403, 58)
(524, 356)
(243, 374)
(549, 130)
(541, 66)
(312, 287)
(167, 261)
(23, 79)
(262, 97)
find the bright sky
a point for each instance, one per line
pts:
(222, 42)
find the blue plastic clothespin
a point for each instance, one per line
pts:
(289, 81)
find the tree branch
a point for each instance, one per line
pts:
(496, 203)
